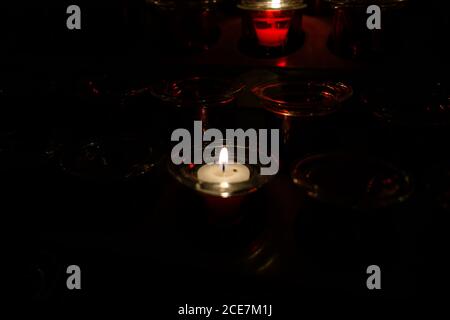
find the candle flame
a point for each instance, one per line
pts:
(223, 156)
(276, 4)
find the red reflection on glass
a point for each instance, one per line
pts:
(282, 62)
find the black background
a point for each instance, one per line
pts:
(129, 239)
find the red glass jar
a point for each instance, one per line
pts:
(271, 28)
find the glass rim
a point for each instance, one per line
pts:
(337, 92)
(232, 88)
(267, 5)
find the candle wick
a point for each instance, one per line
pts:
(223, 167)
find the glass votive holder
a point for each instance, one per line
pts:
(352, 181)
(356, 208)
(351, 38)
(224, 185)
(227, 177)
(305, 111)
(271, 28)
(199, 98)
(191, 25)
(237, 236)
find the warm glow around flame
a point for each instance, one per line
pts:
(276, 4)
(223, 156)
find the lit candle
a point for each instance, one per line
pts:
(272, 26)
(224, 173)
(222, 179)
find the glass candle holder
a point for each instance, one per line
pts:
(352, 181)
(303, 110)
(227, 177)
(271, 28)
(194, 98)
(351, 38)
(352, 203)
(226, 186)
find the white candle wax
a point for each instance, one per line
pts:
(214, 173)
(223, 172)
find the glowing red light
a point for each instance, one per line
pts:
(282, 63)
(272, 28)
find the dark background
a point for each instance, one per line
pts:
(143, 241)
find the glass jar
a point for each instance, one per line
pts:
(271, 28)
(305, 111)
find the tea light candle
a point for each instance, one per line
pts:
(223, 172)
(272, 26)
(271, 22)
(223, 179)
